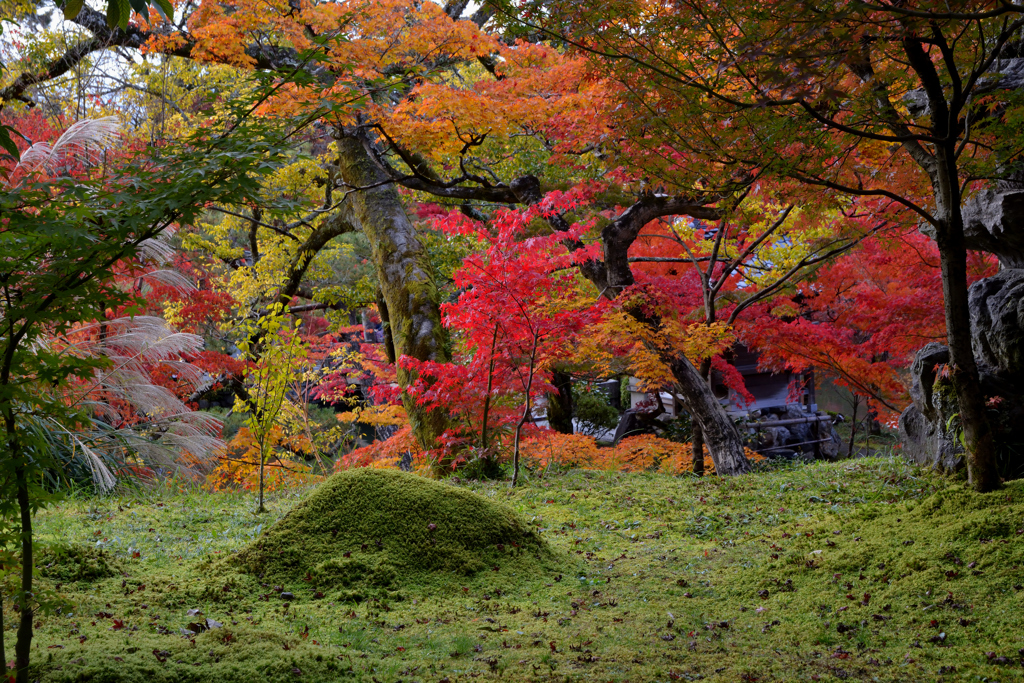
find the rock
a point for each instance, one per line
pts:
(922, 426)
(287, 596)
(829, 450)
(997, 327)
(799, 433)
(922, 373)
(772, 437)
(992, 223)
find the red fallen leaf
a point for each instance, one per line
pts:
(136, 554)
(161, 655)
(401, 649)
(118, 625)
(431, 527)
(51, 647)
(552, 646)
(82, 639)
(103, 615)
(934, 623)
(347, 554)
(867, 599)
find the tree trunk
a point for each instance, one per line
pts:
(560, 402)
(697, 450)
(719, 432)
(23, 644)
(526, 412)
(980, 446)
(404, 272)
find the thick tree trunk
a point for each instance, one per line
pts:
(560, 403)
(404, 272)
(719, 432)
(980, 446)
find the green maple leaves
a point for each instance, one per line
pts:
(120, 11)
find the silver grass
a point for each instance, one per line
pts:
(85, 139)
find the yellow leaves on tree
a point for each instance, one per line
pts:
(645, 348)
(240, 468)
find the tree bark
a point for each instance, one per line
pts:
(977, 432)
(404, 272)
(697, 450)
(23, 644)
(719, 432)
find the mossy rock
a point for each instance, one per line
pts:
(380, 529)
(65, 562)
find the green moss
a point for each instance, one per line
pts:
(69, 562)
(379, 528)
(659, 579)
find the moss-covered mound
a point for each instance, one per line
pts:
(67, 562)
(371, 528)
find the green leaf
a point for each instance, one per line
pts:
(72, 8)
(165, 8)
(8, 144)
(139, 6)
(113, 13)
(126, 13)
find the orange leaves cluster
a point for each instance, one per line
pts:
(642, 453)
(538, 90)
(240, 468)
(387, 453)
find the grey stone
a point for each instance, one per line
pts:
(829, 450)
(799, 433)
(997, 327)
(994, 222)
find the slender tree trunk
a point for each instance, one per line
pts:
(697, 450)
(404, 272)
(853, 425)
(487, 396)
(698, 434)
(263, 464)
(526, 413)
(23, 645)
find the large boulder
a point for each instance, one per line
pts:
(928, 428)
(997, 327)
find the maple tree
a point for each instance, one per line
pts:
(877, 100)
(433, 42)
(861, 319)
(518, 313)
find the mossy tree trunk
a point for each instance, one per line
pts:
(404, 272)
